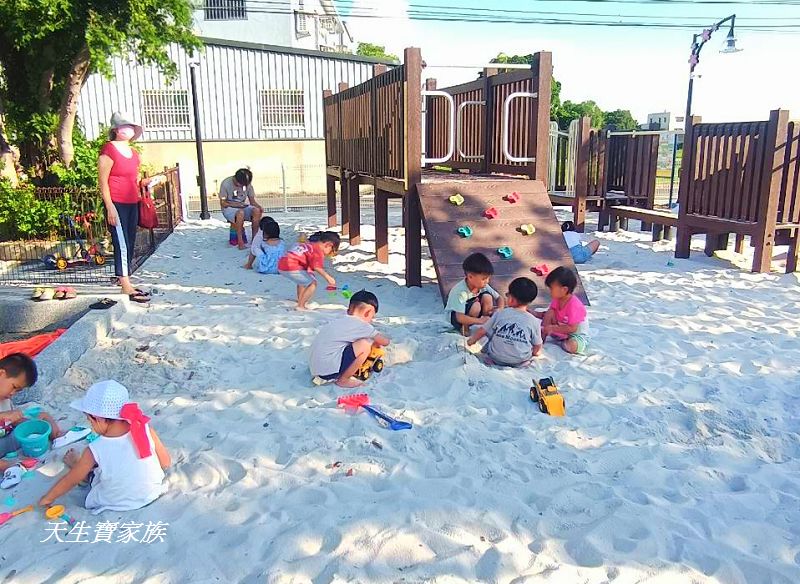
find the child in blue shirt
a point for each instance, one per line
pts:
(267, 248)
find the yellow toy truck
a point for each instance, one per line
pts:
(373, 363)
(546, 393)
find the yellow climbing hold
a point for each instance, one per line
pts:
(457, 199)
(527, 229)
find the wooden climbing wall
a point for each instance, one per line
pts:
(448, 249)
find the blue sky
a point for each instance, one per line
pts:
(641, 69)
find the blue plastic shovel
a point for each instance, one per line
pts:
(393, 423)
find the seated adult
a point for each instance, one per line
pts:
(238, 201)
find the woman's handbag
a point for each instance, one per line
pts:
(148, 218)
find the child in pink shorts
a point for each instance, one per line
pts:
(566, 320)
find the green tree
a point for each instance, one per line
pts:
(572, 111)
(376, 51)
(621, 120)
(48, 48)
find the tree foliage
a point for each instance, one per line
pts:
(376, 51)
(567, 111)
(49, 47)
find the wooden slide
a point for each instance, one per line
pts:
(442, 220)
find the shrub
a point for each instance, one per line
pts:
(24, 216)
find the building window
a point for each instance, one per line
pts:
(165, 109)
(329, 24)
(282, 109)
(225, 9)
(301, 23)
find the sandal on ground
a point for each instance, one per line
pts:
(61, 293)
(103, 304)
(141, 292)
(47, 294)
(37, 293)
(69, 293)
(140, 298)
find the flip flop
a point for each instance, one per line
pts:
(69, 294)
(103, 304)
(140, 292)
(37, 293)
(141, 299)
(60, 294)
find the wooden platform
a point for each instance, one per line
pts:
(448, 249)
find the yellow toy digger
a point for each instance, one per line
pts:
(373, 363)
(546, 393)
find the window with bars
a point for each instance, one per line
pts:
(301, 23)
(165, 109)
(282, 109)
(225, 9)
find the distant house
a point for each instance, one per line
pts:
(260, 106)
(300, 24)
(663, 121)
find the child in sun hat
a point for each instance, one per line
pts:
(125, 464)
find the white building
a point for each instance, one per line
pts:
(301, 24)
(663, 121)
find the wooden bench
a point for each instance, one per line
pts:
(662, 221)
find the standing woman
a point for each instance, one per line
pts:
(118, 169)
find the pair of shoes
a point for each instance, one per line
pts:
(139, 296)
(42, 294)
(65, 293)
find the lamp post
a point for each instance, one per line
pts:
(198, 140)
(698, 42)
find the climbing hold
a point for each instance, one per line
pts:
(490, 213)
(457, 199)
(465, 231)
(506, 252)
(541, 270)
(527, 229)
(512, 198)
(347, 294)
(346, 287)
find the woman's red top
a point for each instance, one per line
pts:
(123, 182)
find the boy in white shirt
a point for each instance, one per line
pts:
(472, 300)
(581, 252)
(343, 345)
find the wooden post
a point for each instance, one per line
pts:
(683, 239)
(331, 195)
(794, 248)
(354, 195)
(582, 174)
(382, 226)
(769, 191)
(540, 125)
(412, 114)
(427, 146)
(489, 120)
(344, 190)
(739, 247)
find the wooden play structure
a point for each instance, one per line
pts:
(611, 169)
(491, 134)
(742, 179)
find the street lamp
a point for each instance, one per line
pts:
(698, 42)
(198, 140)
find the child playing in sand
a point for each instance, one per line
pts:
(514, 334)
(471, 301)
(125, 464)
(342, 346)
(267, 248)
(17, 371)
(581, 252)
(300, 263)
(566, 320)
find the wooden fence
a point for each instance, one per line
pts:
(490, 124)
(741, 178)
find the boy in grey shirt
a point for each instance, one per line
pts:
(514, 334)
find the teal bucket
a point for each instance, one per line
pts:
(33, 437)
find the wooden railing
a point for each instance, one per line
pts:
(789, 201)
(482, 118)
(364, 126)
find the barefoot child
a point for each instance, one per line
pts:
(471, 301)
(566, 320)
(580, 252)
(17, 371)
(300, 263)
(514, 335)
(342, 346)
(126, 462)
(267, 248)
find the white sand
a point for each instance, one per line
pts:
(677, 461)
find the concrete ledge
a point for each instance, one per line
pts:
(54, 361)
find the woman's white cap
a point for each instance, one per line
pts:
(104, 399)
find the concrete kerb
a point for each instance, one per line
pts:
(81, 336)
